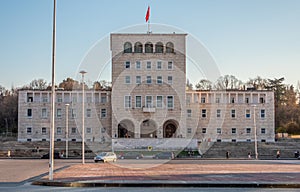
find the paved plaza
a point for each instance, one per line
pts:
(178, 173)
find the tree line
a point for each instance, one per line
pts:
(287, 98)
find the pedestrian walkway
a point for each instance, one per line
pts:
(208, 174)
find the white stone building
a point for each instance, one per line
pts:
(149, 105)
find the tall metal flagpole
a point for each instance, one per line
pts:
(51, 151)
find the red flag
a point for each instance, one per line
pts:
(147, 14)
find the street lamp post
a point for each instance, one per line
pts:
(255, 132)
(67, 129)
(82, 74)
(52, 122)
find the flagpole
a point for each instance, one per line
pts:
(149, 26)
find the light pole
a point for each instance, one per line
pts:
(67, 129)
(82, 72)
(255, 133)
(52, 121)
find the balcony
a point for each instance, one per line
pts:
(148, 109)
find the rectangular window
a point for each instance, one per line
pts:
(89, 99)
(248, 114)
(263, 130)
(45, 99)
(73, 111)
(44, 130)
(170, 80)
(247, 100)
(138, 65)
(159, 80)
(148, 66)
(202, 99)
(189, 130)
(29, 97)
(232, 100)
(88, 112)
(233, 130)
(233, 113)
(189, 113)
(58, 131)
(217, 100)
(218, 113)
(103, 98)
(170, 65)
(262, 100)
(59, 99)
(158, 66)
(148, 101)
(74, 99)
(44, 113)
(203, 114)
(127, 64)
(203, 130)
(29, 112)
(219, 130)
(138, 101)
(170, 102)
(29, 130)
(103, 113)
(149, 80)
(159, 101)
(58, 113)
(73, 130)
(127, 102)
(248, 130)
(88, 130)
(138, 80)
(127, 79)
(262, 113)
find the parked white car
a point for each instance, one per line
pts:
(106, 157)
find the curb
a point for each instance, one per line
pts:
(163, 183)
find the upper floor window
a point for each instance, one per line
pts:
(203, 130)
(148, 80)
(138, 101)
(148, 47)
(138, 80)
(88, 112)
(202, 99)
(263, 131)
(233, 113)
(44, 113)
(44, 130)
(127, 64)
(248, 114)
(89, 130)
(218, 112)
(169, 47)
(262, 113)
(232, 100)
(159, 47)
(148, 66)
(219, 130)
(58, 131)
(159, 101)
(103, 113)
(103, 98)
(149, 102)
(189, 113)
(58, 113)
(158, 65)
(159, 80)
(233, 130)
(246, 100)
(262, 100)
(170, 65)
(29, 97)
(127, 79)
(138, 47)
(127, 47)
(203, 114)
(138, 65)
(127, 102)
(29, 112)
(170, 80)
(218, 100)
(73, 130)
(248, 130)
(170, 102)
(73, 112)
(29, 130)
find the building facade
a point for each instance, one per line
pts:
(149, 104)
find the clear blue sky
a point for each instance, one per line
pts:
(246, 37)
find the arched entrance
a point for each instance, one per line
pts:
(126, 129)
(148, 129)
(170, 128)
